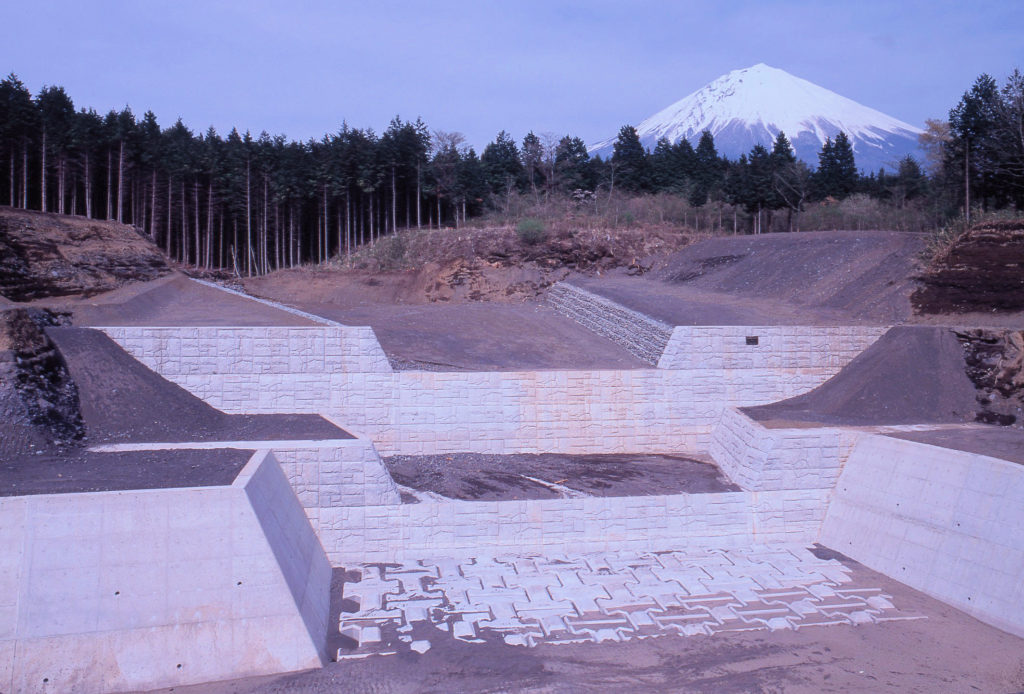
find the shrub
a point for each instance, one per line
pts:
(530, 231)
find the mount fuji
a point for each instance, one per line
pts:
(750, 106)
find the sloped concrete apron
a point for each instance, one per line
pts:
(128, 590)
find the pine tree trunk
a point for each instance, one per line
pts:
(419, 198)
(120, 183)
(184, 224)
(110, 183)
(88, 187)
(967, 183)
(348, 225)
(196, 231)
(208, 259)
(266, 222)
(170, 196)
(248, 219)
(152, 209)
(60, 184)
(42, 175)
(24, 175)
(394, 202)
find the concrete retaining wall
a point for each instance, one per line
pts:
(322, 474)
(115, 591)
(643, 336)
(225, 351)
(945, 522)
(646, 523)
(825, 349)
(413, 412)
(757, 458)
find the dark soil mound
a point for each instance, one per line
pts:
(982, 271)
(44, 255)
(123, 401)
(911, 375)
(38, 400)
(867, 274)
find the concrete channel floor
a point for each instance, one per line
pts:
(765, 619)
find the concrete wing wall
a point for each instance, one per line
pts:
(827, 349)
(758, 458)
(117, 591)
(946, 522)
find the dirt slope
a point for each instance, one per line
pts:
(911, 375)
(174, 300)
(45, 255)
(123, 401)
(862, 274)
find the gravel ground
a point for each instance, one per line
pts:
(478, 476)
(85, 471)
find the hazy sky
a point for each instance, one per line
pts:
(563, 66)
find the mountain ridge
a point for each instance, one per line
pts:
(752, 105)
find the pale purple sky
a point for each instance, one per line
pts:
(582, 67)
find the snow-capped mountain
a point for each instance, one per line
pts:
(750, 106)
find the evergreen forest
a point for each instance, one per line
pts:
(254, 204)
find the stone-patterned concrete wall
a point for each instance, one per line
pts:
(646, 523)
(827, 349)
(214, 350)
(758, 458)
(641, 335)
(322, 474)
(136, 590)
(945, 522)
(507, 412)
(413, 412)
(346, 473)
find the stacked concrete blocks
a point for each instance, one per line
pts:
(344, 373)
(758, 458)
(643, 336)
(787, 348)
(592, 524)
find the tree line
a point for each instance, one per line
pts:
(256, 204)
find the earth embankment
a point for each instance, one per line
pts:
(51, 255)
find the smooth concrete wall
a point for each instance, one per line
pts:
(128, 590)
(415, 412)
(946, 522)
(758, 458)
(825, 348)
(593, 524)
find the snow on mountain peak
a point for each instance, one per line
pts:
(751, 105)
